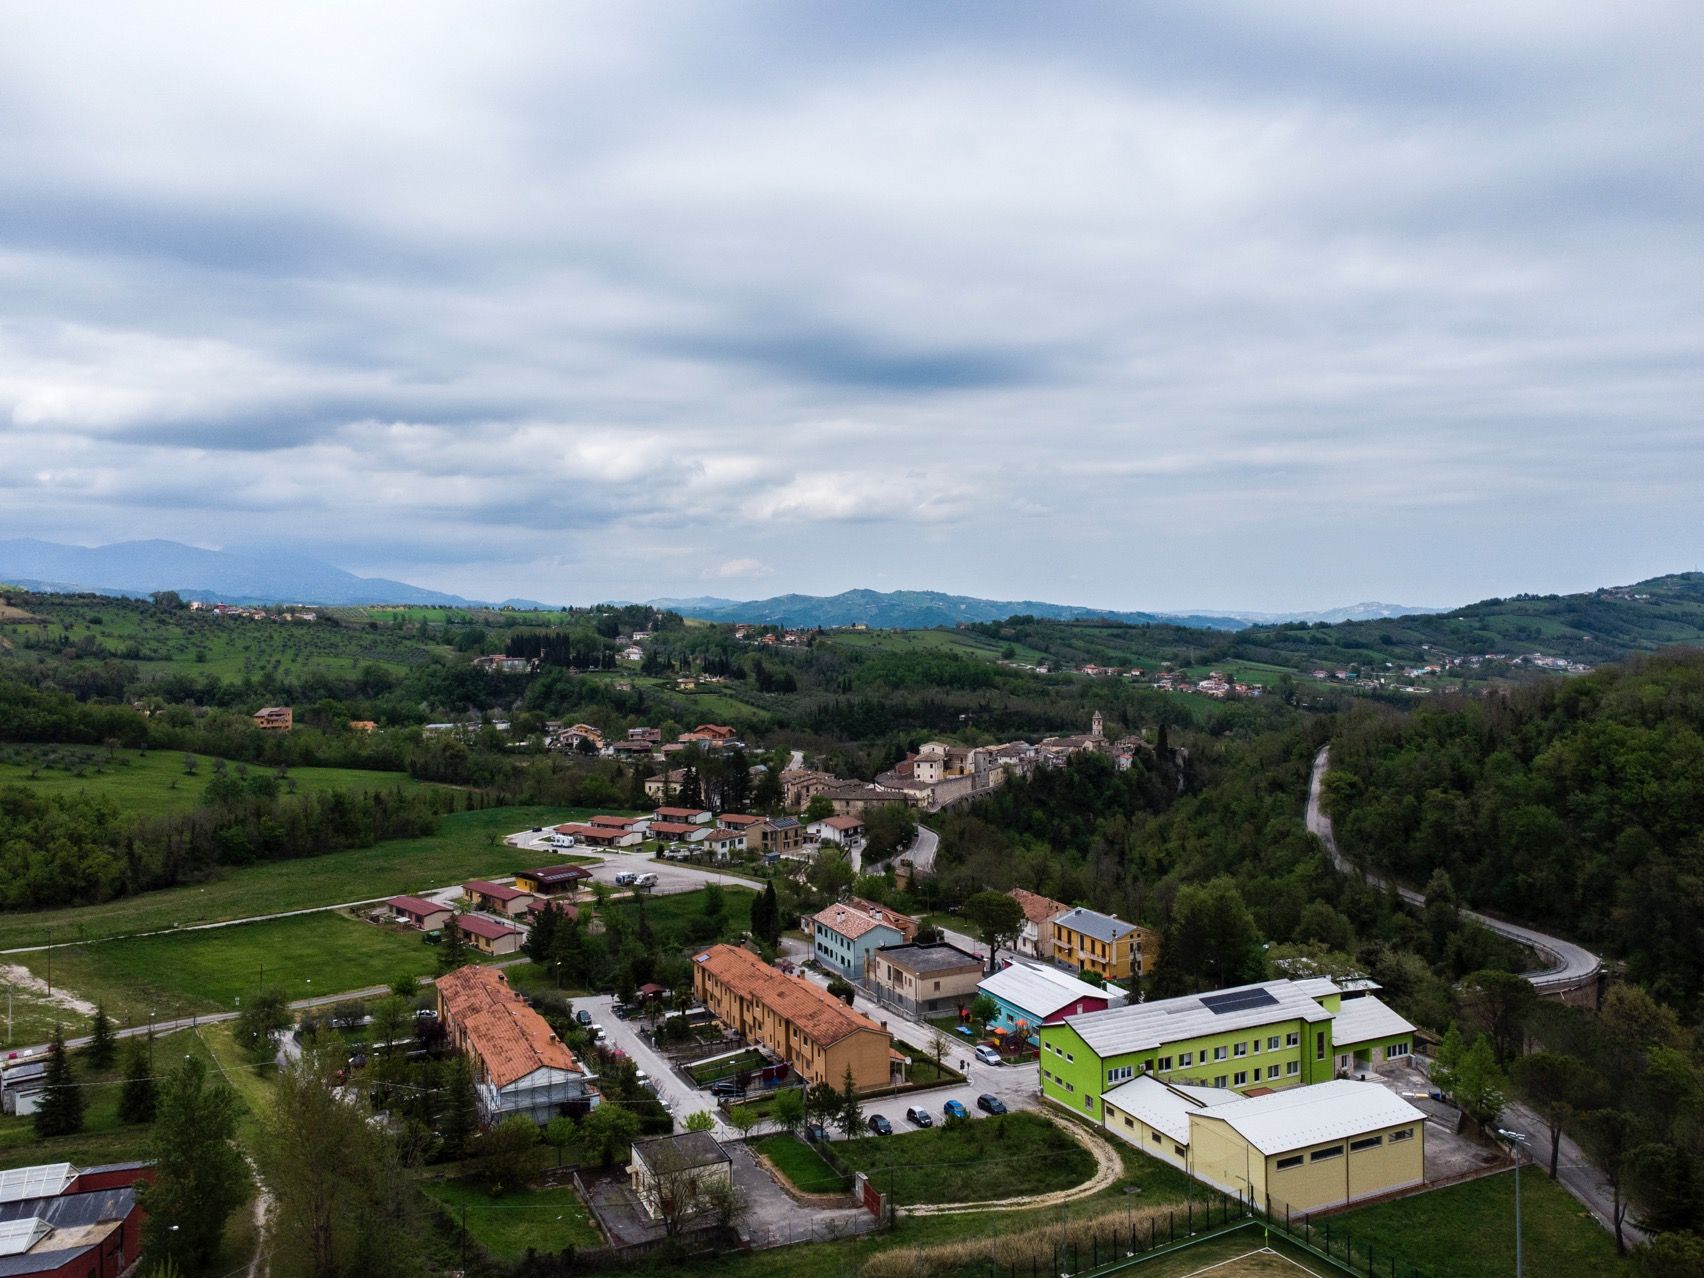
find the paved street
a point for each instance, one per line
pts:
(681, 1097)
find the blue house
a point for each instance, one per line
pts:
(843, 937)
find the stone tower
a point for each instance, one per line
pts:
(1096, 725)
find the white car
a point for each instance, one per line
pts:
(987, 1055)
(645, 880)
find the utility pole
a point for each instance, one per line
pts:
(1518, 1141)
(50, 961)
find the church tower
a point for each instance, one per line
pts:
(1095, 725)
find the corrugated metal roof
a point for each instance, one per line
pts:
(1042, 990)
(1102, 927)
(1163, 1107)
(1301, 1116)
(1148, 1025)
(1364, 1019)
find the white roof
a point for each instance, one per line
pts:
(1302, 1116)
(1143, 1026)
(1165, 1106)
(1042, 990)
(18, 1236)
(45, 1180)
(1364, 1019)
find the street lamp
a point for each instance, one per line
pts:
(1518, 1140)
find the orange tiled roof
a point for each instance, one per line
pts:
(1037, 908)
(510, 1039)
(847, 921)
(818, 1014)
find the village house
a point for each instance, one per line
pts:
(844, 831)
(497, 898)
(363, 725)
(801, 1023)
(1109, 947)
(740, 820)
(521, 1068)
(692, 816)
(680, 1175)
(723, 843)
(608, 821)
(650, 736)
(854, 798)
(922, 980)
(274, 718)
(1030, 997)
(907, 925)
(602, 836)
(843, 937)
(1036, 939)
(800, 785)
(783, 836)
(488, 936)
(419, 913)
(679, 832)
(498, 663)
(549, 882)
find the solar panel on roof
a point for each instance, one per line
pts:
(1237, 1001)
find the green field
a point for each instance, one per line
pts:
(149, 783)
(508, 1225)
(467, 845)
(1468, 1230)
(800, 1164)
(975, 1161)
(306, 955)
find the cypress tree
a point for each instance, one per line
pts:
(137, 1101)
(453, 952)
(461, 1109)
(61, 1111)
(102, 1050)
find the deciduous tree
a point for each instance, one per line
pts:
(200, 1174)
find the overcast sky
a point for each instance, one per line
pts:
(1158, 305)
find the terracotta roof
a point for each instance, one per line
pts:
(842, 823)
(590, 831)
(682, 812)
(849, 922)
(882, 914)
(720, 834)
(614, 822)
(740, 819)
(818, 1014)
(496, 891)
(1037, 908)
(490, 929)
(676, 827)
(510, 1039)
(415, 905)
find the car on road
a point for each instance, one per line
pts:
(598, 1035)
(880, 1126)
(625, 878)
(987, 1055)
(645, 880)
(990, 1104)
(955, 1109)
(583, 1016)
(920, 1117)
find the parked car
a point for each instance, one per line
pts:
(989, 1104)
(727, 1088)
(645, 880)
(955, 1109)
(987, 1055)
(920, 1116)
(583, 1016)
(880, 1126)
(598, 1035)
(625, 878)
(816, 1133)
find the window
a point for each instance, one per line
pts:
(1284, 1164)
(1219, 1081)
(1070, 1058)
(1407, 1133)
(1088, 1102)
(1330, 1151)
(1120, 1074)
(1070, 1087)
(1185, 1059)
(1130, 1122)
(1272, 1071)
(1239, 1049)
(1292, 1068)
(1397, 1049)
(1367, 1142)
(1241, 1078)
(1272, 1043)
(1319, 1045)
(1165, 1063)
(1292, 1039)
(1155, 1137)
(1256, 1046)
(1218, 1053)
(1180, 1151)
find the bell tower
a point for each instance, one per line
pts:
(1096, 725)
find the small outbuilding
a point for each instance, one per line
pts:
(680, 1176)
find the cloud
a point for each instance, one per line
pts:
(737, 568)
(1131, 303)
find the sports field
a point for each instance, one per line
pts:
(1243, 1254)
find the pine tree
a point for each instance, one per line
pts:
(691, 789)
(102, 1050)
(136, 1103)
(61, 1111)
(453, 952)
(461, 1109)
(200, 1174)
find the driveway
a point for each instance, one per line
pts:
(773, 1219)
(680, 1096)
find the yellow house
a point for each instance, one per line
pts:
(1099, 943)
(1305, 1148)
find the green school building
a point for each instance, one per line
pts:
(1272, 1035)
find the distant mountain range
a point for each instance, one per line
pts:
(254, 577)
(921, 609)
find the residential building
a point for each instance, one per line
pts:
(907, 925)
(781, 835)
(551, 881)
(606, 821)
(1109, 947)
(602, 836)
(1030, 997)
(723, 843)
(62, 1221)
(1036, 939)
(363, 725)
(664, 784)
(842, 939)
(651, 736)
(800, 785)
(679, 1176)
(714, 732)
(489, 936)
(498, 898)
(739, 820)
(498, 663)
(679, 832)
(417, 912)
(520, 1066)
(274, 718)
(22, 1083)
(922, 980)
(801, 1023)
(688, 816)
(854, 798)
(845, 831)
(1271, 1035)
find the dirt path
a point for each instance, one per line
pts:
(19, 976)
(1108, 1168)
